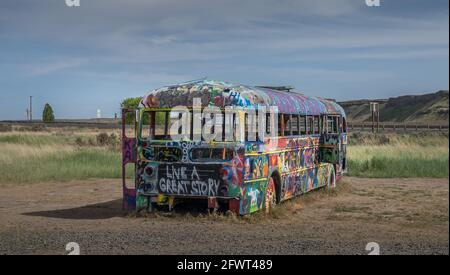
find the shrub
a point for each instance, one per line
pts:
(38, 128)
(80, 142)
(112, 140)
(102, 139)
(5, 128)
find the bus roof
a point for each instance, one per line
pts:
(222, 94)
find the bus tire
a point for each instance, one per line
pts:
(331, 178)
(271, 195)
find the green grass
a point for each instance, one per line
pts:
(43, 157)
(79, 164)
(399, 155)
(392, 167)
(36, 140)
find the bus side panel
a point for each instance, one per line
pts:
(330, 148)
(253, 197)
(233, 175)
(253, 191)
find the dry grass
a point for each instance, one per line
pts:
(284, 211)
(399, 155)
(56, 155)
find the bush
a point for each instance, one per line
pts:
(38, 128)
(102, 139)
(112, 140)
(80, 142)
(6, 128)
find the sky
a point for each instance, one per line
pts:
(80, 59)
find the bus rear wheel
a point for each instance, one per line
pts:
(271, 195)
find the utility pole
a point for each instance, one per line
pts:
(31, 108)
(375, 109)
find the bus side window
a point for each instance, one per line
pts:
(251, 126)
(316, 125)
(302, 123)
(344, 125)
(330, 126)
(310, 125)
(324, 125)
(336, 124)
(333, 124)
(287, 125)
(294, 125)
(281, 125)
(268, 124)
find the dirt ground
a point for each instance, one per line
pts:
(404, 216)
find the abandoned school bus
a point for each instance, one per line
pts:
(237, 147)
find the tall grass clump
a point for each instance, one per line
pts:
(42, 157)
(399, 155)
(84, 163)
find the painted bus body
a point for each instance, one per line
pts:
(310, 151)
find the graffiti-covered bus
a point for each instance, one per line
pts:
(236, 147)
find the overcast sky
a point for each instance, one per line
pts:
(85, 58)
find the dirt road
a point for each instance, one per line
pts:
(404, 216)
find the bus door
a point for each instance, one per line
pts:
(128, 158)
(331, 141)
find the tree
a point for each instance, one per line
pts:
(133, 103)
(48, 115)
(130, 103)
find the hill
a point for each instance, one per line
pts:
(428, 108)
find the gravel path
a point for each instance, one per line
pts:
(404, 216)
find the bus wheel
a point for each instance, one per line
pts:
(332, 178)
(271, 196)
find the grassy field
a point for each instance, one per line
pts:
(60, 155)
(398, 155)
(76, 154)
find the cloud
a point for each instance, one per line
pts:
(39, 69)
(317, 45)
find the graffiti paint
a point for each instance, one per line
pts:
(167, 169)
(194, 180)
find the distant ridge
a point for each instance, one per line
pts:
(427, 108)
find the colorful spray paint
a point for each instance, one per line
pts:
(167, 170)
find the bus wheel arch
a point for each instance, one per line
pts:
(332, 177)
(273, 192)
